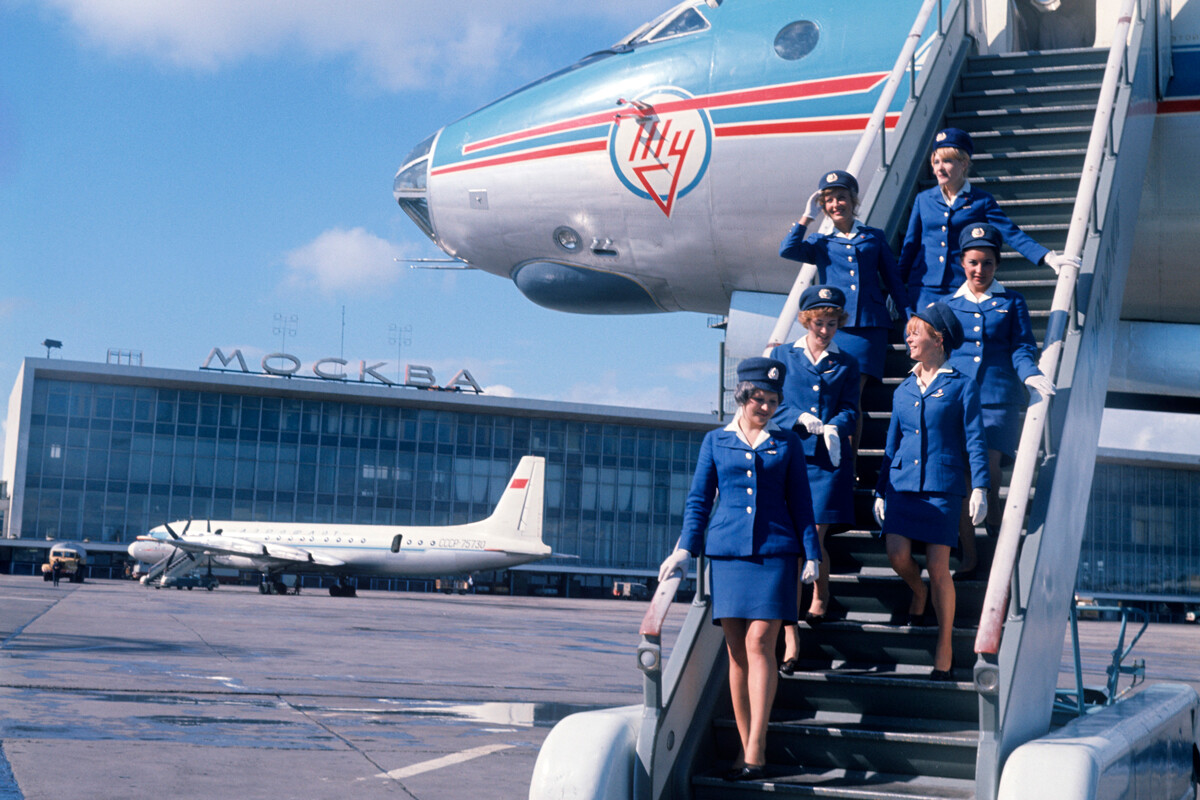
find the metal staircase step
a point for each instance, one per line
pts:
(1030, 59)
(990, 140)
(852, 642)
(1027, 117)
(837, 783)
(1026, 97)
(890, 744)
(876, 692)
(979, 78)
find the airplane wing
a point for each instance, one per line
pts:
(274, 554)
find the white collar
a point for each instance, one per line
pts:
(942, 370)
(763, 435)
(966, 187)
(850, 234)
(802, 345)
(995, 289)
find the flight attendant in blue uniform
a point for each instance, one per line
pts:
(935, 436)
(1000, 354)
(929, 255)
(755, 537)
(820, 404)
(853, 257)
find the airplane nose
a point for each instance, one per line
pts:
(411, 186)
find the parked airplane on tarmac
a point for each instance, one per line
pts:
(511, 535)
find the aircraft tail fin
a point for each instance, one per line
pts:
(519, 511)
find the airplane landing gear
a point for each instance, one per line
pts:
(345, 587)
(269, 585)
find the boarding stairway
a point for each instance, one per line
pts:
(861, 718)
(177, 563)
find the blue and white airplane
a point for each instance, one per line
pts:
(660, 174)
(512, 535)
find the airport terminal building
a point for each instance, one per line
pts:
(104, 452)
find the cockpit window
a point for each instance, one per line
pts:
(681, 20)
(797, 39)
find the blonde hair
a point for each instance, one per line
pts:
(952, 154)
(809, 314)
(929, 330)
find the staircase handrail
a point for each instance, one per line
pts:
(995, 604)
(875, 126)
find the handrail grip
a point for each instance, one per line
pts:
(995, 604)
(660, 604)
(875, 123)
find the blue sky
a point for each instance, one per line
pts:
(173, 175)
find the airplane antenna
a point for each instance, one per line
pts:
(420, 263)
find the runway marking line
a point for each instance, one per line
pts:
(444, 761)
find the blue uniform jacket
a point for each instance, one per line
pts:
(827, 389)
(998, 348)
(929, 256)
(855, 266)
(765, 505)
(934, 436)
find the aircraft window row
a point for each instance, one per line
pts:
(797, 39)
(300, 537)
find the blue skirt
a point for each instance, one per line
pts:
(755, 587)
(1002, 424)
(832, 488)
(867, 346)
(930, 517)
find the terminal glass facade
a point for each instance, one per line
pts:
(1143, 532)
(107, 462)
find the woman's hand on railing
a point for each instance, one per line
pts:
(1056, 261)
(678, 560)
(1040, 384)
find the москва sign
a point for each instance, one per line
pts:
(287, 365)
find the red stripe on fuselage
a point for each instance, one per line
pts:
(518, 483)
(825, 87)
(1179, 106)
(598, 145)
(793, 126)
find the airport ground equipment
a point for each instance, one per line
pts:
(1064, 145)
(71, 559)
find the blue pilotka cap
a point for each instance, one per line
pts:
(822, 297)
(838, 178)
(764, 373)
(945, 322)
(956, 138)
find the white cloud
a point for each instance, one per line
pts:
(342, 259)
(499, 390)
(399, 44)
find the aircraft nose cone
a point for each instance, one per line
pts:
(411, 186)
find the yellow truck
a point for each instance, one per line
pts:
(71, 558)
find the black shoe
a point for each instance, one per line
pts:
(749, 772)
(941, 675)
(790, 666)
(900, 618)
(992, 528)
(815, 619)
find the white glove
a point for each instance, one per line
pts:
(832, 444)
(812, 209)
(977, 506)
(678, 560)
(811, 570)
(880, 510)
(1040, 384)
(811, 423)
(1056, 261)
